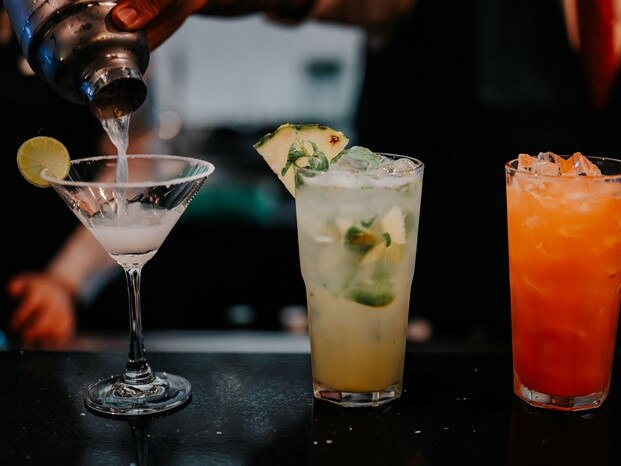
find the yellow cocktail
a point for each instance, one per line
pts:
(357, 231)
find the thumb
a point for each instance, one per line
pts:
(136, 14)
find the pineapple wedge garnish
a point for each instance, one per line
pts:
(274, 147)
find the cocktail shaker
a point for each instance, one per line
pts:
(75, 47)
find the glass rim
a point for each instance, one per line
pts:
(131, 184)
(511, 168)
(420, 165)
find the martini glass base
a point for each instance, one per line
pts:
(115, 397)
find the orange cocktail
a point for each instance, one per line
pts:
(564, 226)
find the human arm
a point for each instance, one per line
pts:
(161, 18)
(46, 300)
(45, 315)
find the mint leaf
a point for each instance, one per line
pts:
(359, 238)
(387, 238)
(358, 157)
(368, 223)
(316, 161)
(296, 152)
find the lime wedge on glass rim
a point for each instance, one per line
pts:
(39, 153)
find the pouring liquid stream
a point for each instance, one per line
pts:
(117, 129)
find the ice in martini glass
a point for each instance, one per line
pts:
(131, 219)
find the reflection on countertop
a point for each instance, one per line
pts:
(199, 341)
(246, 341)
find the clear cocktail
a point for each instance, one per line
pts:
(357, 229)
(565, 274)
(131, 219)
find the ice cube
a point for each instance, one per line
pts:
(551, 164)
(547, 157)
(543, 164)
(525, 161)
(358, 158)
(578, 164)
(399, 167)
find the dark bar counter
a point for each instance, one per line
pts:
(258, 409)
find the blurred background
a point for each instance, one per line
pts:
(474, 82)
(443, 94)
(216, 87)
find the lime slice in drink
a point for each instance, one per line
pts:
(275, 148)
(42, 152)
(376, 294)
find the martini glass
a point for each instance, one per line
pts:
(131, 219)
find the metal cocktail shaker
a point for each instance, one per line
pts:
(76, 48)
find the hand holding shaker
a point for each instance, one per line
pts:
(74, 46)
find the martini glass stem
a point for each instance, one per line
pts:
(137, 370)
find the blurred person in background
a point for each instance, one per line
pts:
(464, 85)
(50, 260)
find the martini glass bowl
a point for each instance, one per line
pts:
(131, 218)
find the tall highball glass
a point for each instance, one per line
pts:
(565, 277)
(357, 233)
